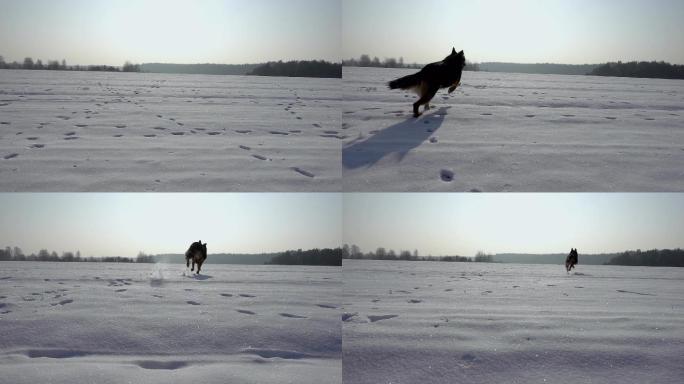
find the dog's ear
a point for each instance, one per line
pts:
(453, 50)
(461, 53)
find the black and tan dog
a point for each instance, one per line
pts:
(442, 74)
(571, 260)
(197, 253)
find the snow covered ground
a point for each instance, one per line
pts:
(430, 322)
(147, 323)
(93, 131)
(514, 132)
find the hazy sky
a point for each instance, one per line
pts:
(523, 31)
(179, 31)
(116, 224)
(462, 224)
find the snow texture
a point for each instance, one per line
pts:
(85, 131)
(146, 323)
(432, 322)
(514, 132)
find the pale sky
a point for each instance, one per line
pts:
(170, 31)
(522, 31)
(122, 224)
(463, 224)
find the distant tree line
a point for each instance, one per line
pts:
(199, 69)
(16, 254)
(313, 68)
(650, 258)
(645, 69)
(391, 62)
(538, 68)
(381, 253)
(325, 256)
(365, 61)
(54, 65)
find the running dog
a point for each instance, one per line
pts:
(442, 74)
(197, 253)
(571, 260)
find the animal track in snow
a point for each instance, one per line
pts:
(374, 318)
(63, 302)
(303, 172)
(446, 175)
(246, 312)
(292, 316)
(167, 365)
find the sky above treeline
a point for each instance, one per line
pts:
(170, 31)
(520, 31)
(123, 224)
(253, 31)
(462, 224)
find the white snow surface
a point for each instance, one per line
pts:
(147, 323)
(94, 131)
(514, 132)
(435, 322)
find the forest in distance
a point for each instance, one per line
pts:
(292, 68)
(649, 258)
(639, 69)
(316, 256)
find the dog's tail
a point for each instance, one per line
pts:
(406, 82)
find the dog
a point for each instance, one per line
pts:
(442, 74)
(571, 260)
(197, 253)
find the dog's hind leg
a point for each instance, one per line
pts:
(199, 265)
(424, 99)
(193, 265)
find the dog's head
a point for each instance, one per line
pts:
(456, 58)
(198, 247)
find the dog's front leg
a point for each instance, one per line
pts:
(453, 87)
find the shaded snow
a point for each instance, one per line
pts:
(514, 132)
(146, 323)
(420, 322)
(85, 131)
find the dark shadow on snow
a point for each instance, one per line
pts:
(399, 138)
(195, 276)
